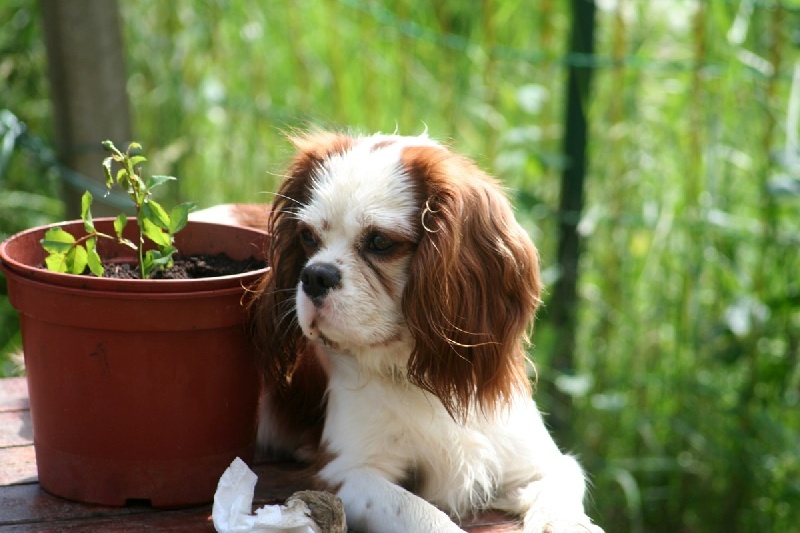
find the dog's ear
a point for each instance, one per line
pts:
(273, 318)
(473, 286)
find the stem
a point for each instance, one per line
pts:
(138, 194)
(141, 255)
(88, 236)
(140, 243)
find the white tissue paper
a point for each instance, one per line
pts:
(233, 502)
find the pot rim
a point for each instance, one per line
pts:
(12, 266)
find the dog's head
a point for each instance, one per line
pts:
(396, 248)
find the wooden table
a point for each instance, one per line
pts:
(25, 507)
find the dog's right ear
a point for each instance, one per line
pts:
(276, 332)
(473, 286)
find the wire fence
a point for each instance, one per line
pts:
(15, 136)
(759, 66)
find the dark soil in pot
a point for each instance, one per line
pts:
(192, 267)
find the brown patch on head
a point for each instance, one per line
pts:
(473, 285)
(314, 147)
(274, 323)
(381, 144)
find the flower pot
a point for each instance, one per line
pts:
(139, 390)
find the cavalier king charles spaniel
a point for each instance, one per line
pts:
(392, 328)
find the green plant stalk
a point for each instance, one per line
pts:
(135, 192)
(138, 200)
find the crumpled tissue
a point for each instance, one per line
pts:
(233, 503)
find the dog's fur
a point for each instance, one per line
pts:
(396, 311)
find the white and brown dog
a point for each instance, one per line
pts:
(394, 319)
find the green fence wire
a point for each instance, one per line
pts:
(390, 21)
(14, 135)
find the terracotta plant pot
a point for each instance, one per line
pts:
(139, 390)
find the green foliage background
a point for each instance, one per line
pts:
(687, 395)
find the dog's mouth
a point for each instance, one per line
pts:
(316, 335)
(324, 327)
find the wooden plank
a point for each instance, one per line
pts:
(13, 394)
(29, 504)
(15, 429)
(17, 465)
(180, 521)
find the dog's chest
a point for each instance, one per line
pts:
(408, 435)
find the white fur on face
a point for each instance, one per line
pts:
(356, 195)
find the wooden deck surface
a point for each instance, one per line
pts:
(25, 507)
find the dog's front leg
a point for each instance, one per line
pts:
(374, 504)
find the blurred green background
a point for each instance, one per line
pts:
(685, 396)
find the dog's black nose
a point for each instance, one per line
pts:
(319, 278)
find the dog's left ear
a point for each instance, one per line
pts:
(473, 286)
(277, 335)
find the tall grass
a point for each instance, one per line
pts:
(687, 393)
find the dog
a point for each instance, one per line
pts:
(393, 326)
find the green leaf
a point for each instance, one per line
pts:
(137, 160)
(77, 259)
(119, 225)
(116, 155)
(157, 180)
(179, 216)
(155, 234)
(93, 258)
(147, 264)
(134, 146)
(56, 262)
(160, 259)
(86, 212)
(86, 204)
(107, 169)
(167, 252)
(58, 234)
(124, 180)
(57, 241)
(156, 214)
(157, 259)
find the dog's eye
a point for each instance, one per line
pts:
(308, 238)
(378, 243)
